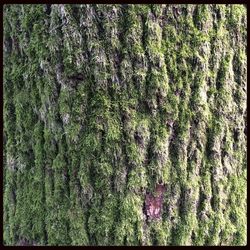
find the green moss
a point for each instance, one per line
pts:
(113, 131)
(236, 13)
(104, 227)
(77, 233)
(131, 213)
(134, 156)
(137, 179)
(160, 101)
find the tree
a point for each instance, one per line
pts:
(125, 124)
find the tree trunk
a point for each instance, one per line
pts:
(125, 124)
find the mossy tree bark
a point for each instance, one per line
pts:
(104, 102)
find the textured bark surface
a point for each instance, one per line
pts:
(105, 103)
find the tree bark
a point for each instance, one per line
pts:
(124, 124)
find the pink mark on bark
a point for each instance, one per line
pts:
(154, 202)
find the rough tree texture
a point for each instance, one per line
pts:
(104, 102)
